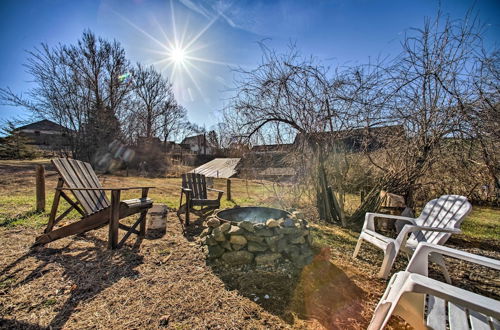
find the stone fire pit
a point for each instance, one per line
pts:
(259, 235)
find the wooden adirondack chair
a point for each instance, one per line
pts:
(92, 203)
(439, 219)
(194, 187)
(426, 303)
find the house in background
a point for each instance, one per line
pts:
(46, 135)
(198, 144)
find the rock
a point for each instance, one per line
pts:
(238, 257)
(271, 223)
(306, 250)
(272, 242)
(266, 232)
(288, 230)
(281, 245)
(238, 239)
(288, 223)
(209, 240)
(226, 245)
(236, 247)
(218, 234)
(225, 227)
(254, 238)
(247, 225)
(213, 222)
(297, 215)
(259, 225)
(298, 240)
(267, 258)
(235, 230)
(215, 251)
(300, 261)
(256, 247)
(206, 232)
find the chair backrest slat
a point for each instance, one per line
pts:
(76, 175)
(197, 183)
(447, 211)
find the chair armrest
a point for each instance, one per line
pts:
(216, 190)
(422, 284)
(407, 229)
(420, 259)
(106, 188)
(370, 219)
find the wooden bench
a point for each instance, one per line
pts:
(91, 202)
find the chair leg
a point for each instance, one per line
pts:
(389, 258)
(439, 260)
(358, 246)
(114, 219)
(55, 205)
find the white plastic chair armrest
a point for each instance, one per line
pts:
(420, 259)
(422, 284)
(370, 219)
(403, 234)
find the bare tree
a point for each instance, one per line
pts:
(79, 87)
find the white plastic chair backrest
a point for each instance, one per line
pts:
(447, 211)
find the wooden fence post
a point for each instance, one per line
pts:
(228, 188)
(40, 188)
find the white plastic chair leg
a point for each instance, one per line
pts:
(439, 260)
(358, 246)
(389, 257)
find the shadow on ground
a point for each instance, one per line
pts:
(320, 291)
(90, 267)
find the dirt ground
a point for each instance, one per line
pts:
(166, 282)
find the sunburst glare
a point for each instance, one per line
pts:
(179, 54)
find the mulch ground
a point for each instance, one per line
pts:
(166, 282)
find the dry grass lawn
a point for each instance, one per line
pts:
(76, 283)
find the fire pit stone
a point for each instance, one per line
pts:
(262, 235)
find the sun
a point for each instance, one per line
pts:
(178, 55)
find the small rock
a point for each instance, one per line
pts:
(225, 227)
(238, 257)
(288, 223)
(247, 225)
(238, 239)
(236, 247)
(215, 251)
(266, 232)
(254, 238)
(218, 234)
(271, 223)
(235, 230)
(298, 240)
(256, 247)
(206, 232)
(266, 296)
(164, 320)
(267, 258)
(226, 245)
(213, 222)
(256, 299)
(209, 240)
(288, 230)
(259, 225)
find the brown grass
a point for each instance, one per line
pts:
(77, 283)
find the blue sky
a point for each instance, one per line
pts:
(225, 34)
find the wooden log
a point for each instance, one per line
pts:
(228, 188)
(40, 188)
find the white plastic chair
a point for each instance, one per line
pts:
(426, 303)
(439, 219)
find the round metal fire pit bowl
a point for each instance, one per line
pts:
(253, 214)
